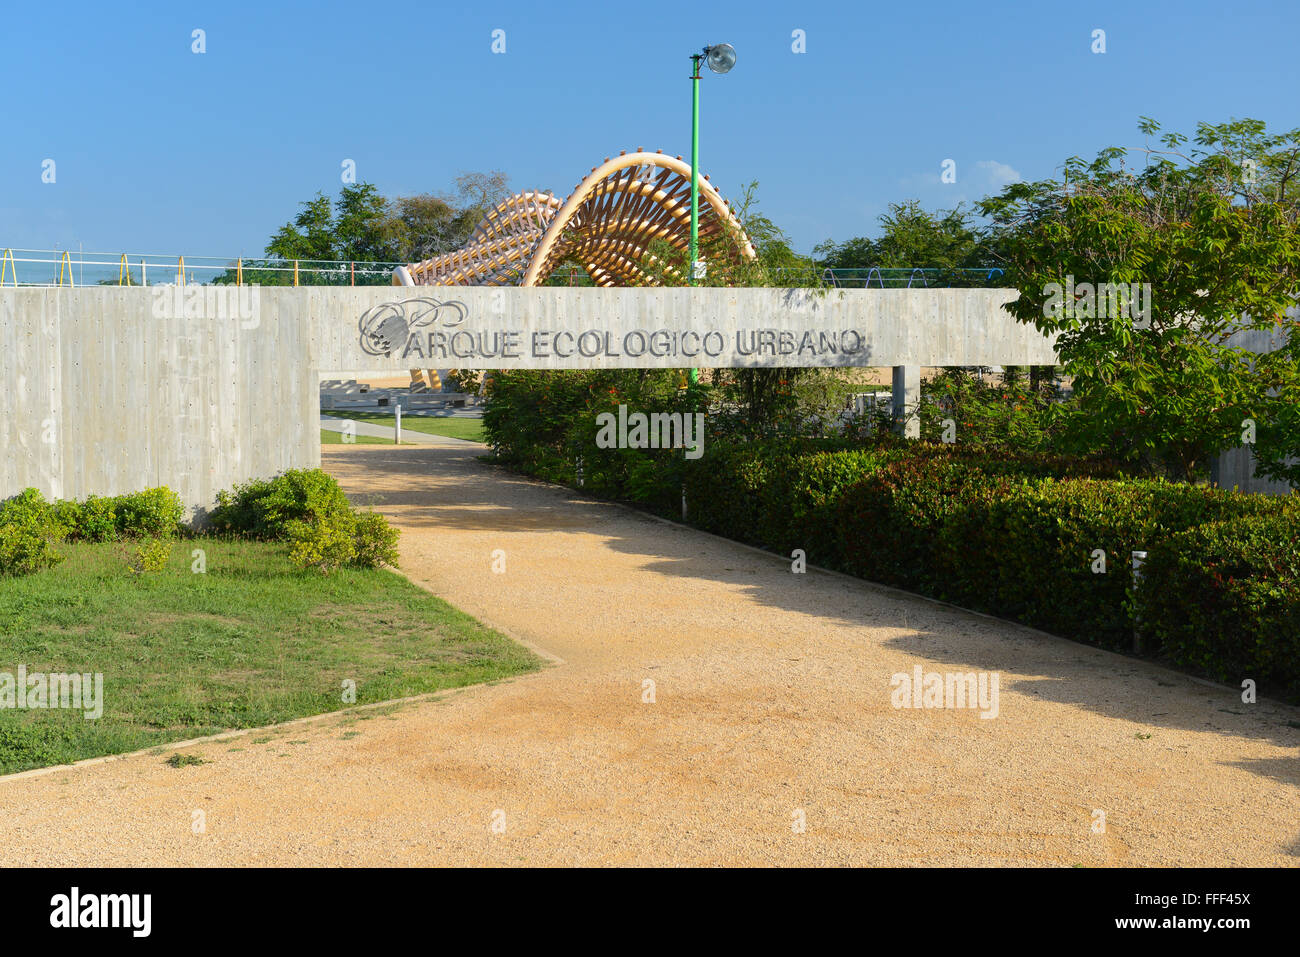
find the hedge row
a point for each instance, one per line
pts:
(29, 525)
(151, 513)
(1219, 591)
(1042, 539)
(304, 508)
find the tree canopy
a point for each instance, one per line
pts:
(362, 225)
(1192, 246)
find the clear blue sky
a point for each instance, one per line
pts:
(161, 150)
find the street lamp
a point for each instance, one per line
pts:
(720, 57)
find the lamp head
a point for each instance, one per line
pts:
(720, 57)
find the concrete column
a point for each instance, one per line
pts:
(1235, 468)
(907, 393)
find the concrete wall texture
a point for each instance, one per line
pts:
(99, 396)
(1235, 468)
(107, 390)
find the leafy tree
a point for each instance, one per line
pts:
(309, 236)
(1212, 231)
(912, 237)
(362, 225)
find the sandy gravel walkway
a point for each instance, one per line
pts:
(771, 705)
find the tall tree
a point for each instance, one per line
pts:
(1210, 233)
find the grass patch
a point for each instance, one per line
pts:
(252, 642)
(454, 427)
(328, 437)
(185, 760)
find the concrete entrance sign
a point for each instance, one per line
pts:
(107, 390)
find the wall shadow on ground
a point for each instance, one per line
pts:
(468, 494)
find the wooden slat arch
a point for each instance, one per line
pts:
(607, 224)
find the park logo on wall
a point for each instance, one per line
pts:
(421, 329)
(389, 325)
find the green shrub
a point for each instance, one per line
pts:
(25, 548)
(323, 544)
(151, 555)
(92, 520)
(265, 508)
(991, 415)
(29, 507)
(28, 525)
(1224, 599)
(374, 541)
(358, 540)
(151, 513)
(98, 519)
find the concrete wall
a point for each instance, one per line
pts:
(107, 390)
(1235, 468)
(99, 396)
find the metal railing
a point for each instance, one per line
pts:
(65, 267)
(68, 267)
(881, 277)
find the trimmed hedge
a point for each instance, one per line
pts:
(778, 495)
(890, 522)
(1223, 598)
(1028, 551)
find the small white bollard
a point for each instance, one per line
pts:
(397, 428)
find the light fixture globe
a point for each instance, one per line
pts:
(721, 57)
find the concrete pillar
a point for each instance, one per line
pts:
(1235, 468)
(907, 393)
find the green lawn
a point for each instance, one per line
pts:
(252, 641)
(336, 438)
(452, 427)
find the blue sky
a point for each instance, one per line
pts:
(161, 150)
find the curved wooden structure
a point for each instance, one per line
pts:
(606, 224)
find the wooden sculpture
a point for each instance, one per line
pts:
(607, 225)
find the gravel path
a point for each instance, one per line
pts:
(771, 705)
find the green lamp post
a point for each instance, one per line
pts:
(720, 57)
